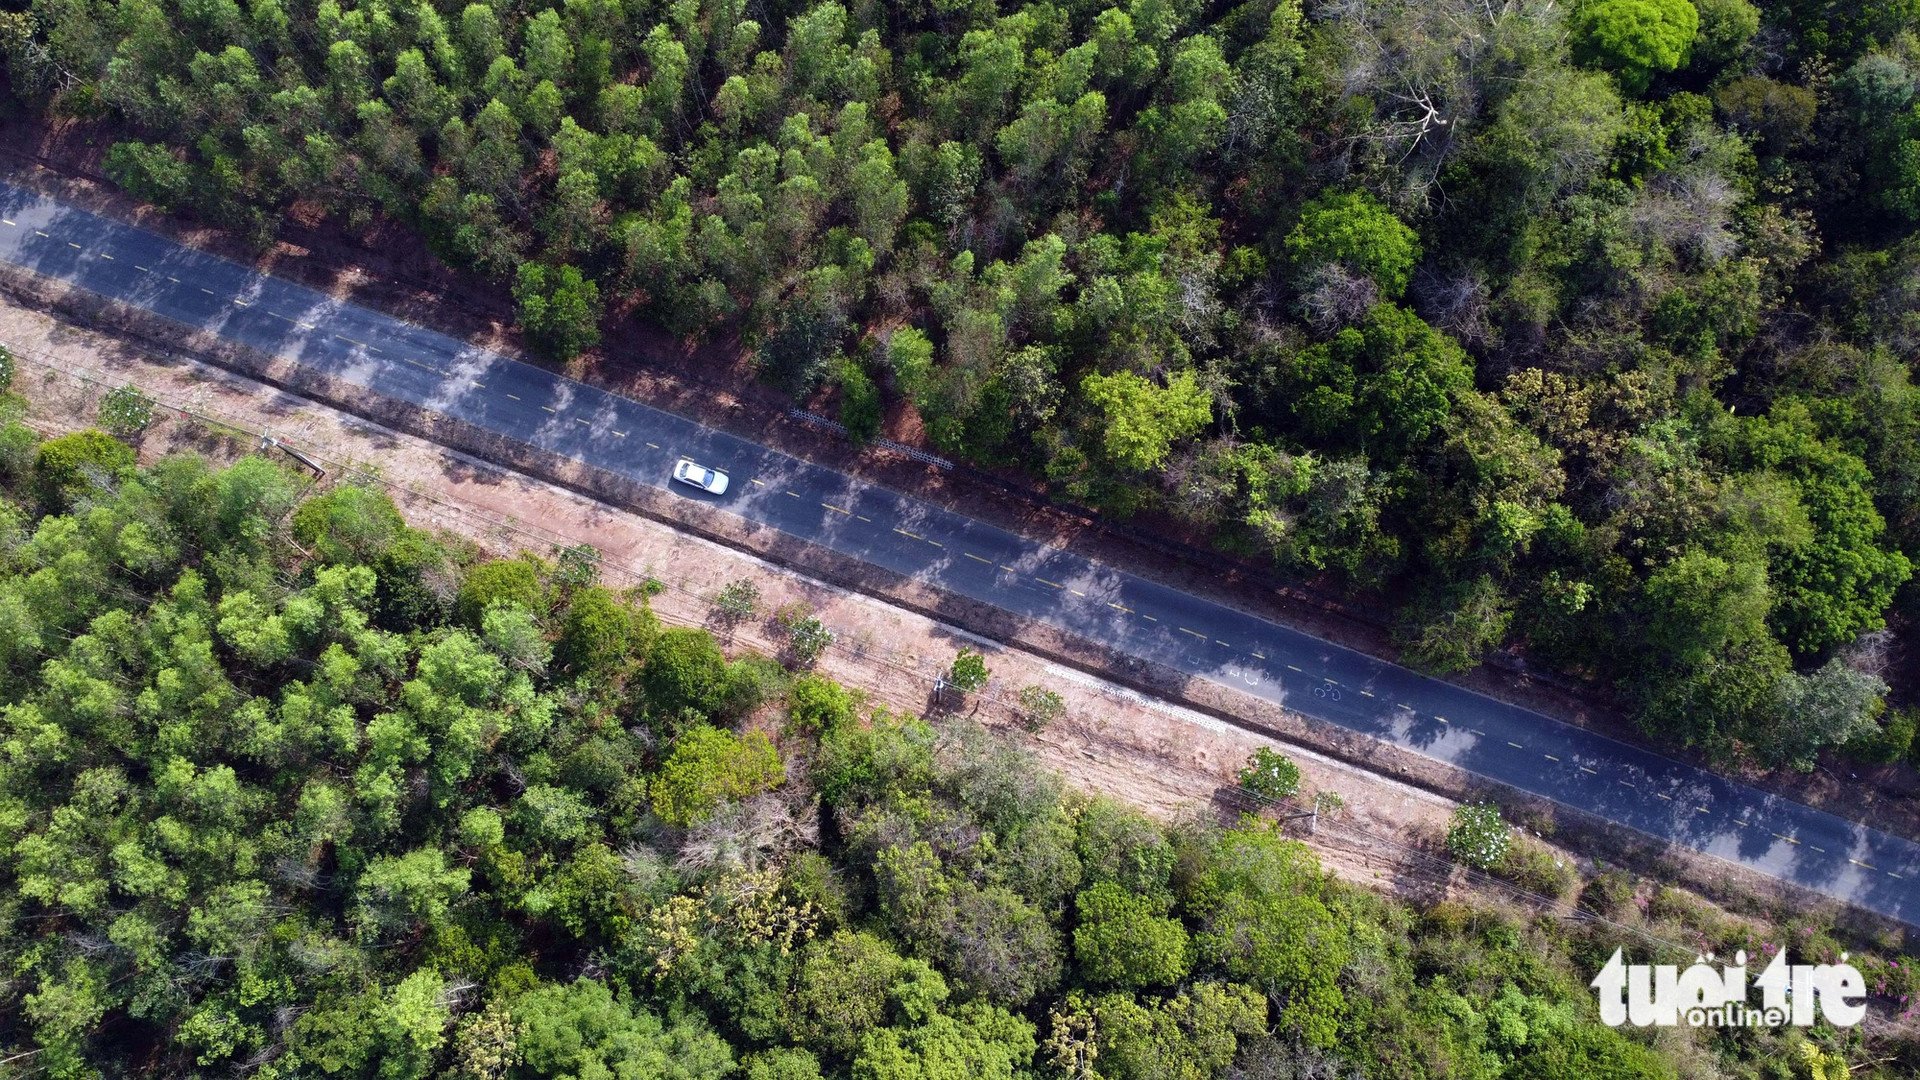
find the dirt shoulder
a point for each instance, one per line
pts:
(1170, 757)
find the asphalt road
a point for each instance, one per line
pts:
(1534, 753)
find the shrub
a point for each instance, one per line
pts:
(684, 671)
(9, 367)
(1538, 869)
(1354, 231)
(1479, 836)
(807, 636)
(1608, 894)
(708, 766)
(969, 671)
(1270, 775)
(819, 705)
(737, 602)
(859, 402)
(1040, 707)
(126, 411)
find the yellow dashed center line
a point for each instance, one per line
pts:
(1894, 876)
(1788, 839)
(9, 221)
(935, 543)
(1195, 633)
(755, 483)
(106, 256)
(1515, 745)
(1041, 580)
(1550, 757)
(837, 510)
(424, 367)
(581, 422)
(551, 409)
(515, 397)
(863, 517)
(1701, 810)
(209, 292)
(1008, 569)
(1625, 784)
(1259, 656)
(977, 558)
(1075, 591)
(1149, 618)
(1366, 693)
(1857, 862)
(1589, 772)
(1291, 667)
(656, 446)
(1120, 607)
(791, 494)
(1818, 848)
(176, 281)
(1743, 823)
(1668, 798)
(73, 245)
(142, 269)
(908, 535)
(622, 434)
(1444, 720)
(1222, 644)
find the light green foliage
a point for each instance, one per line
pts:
(1142, 421)
(514, 581)
(685, 671)
(974, 1042)
(819, 705)
(352, 523)
(1635, 38)
(579, 1030)
(737, 602)
(709, 766)
(1353, 231)
(1126, 940)
(126, 411)
(1191, 1036)
(73, 466)
(1479, 836)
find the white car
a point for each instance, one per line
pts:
(711, 481)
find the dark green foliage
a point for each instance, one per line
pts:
(559, 309)
(685, 672)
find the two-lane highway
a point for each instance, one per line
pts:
(1534, 753)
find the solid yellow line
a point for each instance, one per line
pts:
(977, 558)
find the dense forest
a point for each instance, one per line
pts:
(290, 789)
(1582, 325)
